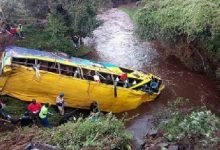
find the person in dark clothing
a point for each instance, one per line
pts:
(68, 117)
(25, 120)
(94, 111)
(76, 41)
(3, 113)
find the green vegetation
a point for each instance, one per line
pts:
(15, 107)
(195, 22)
(53, 24)
(107, 132)
(12, 10)
(38, 38)
(200, 123)
(195, 125)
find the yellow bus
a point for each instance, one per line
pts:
(27, 73)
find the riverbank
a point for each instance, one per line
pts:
(192, 36)
(180, 126)
(195, 59)
(105, 132)
(117, 43)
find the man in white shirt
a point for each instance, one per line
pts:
(60, 103)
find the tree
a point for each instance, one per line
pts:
(71, 18)
(13, 9)
(37, 8)
(56, 31)
(83, 14)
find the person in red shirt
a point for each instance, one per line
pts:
(34, 107)
(123, 77)
(13, 31)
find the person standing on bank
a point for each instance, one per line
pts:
(43, 115)
(94, 111)
(60, 103)
(76, 41)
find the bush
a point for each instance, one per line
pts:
(201, 127)
(197, 125)
(12, 10)
(194, 21)
(107, 132)
(187, 125)
(104, 133)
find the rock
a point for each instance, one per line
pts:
(39, 146)
(152, 133)
(163, 145)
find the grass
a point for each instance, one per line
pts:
(14, 107)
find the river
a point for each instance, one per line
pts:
(117, 43)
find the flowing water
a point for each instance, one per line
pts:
(117, 43)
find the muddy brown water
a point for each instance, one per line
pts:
(117, 43)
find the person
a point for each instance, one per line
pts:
(123, 76)
(68, 117)
(2, 111)
(13, 31)
(3, 114)
(126, 84)
(134, 82)
(43, 115)
(96, 78)
(87, 74)
(76, 41)
(124, 79)
(154, 84)
(94, 110)
(34, 109)
(60, 103)
(77, 73)
(19, 30)
(25, 120)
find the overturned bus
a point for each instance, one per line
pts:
(27, 73)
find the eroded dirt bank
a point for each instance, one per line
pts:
(117, 43)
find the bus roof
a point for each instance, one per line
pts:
(19, 52)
